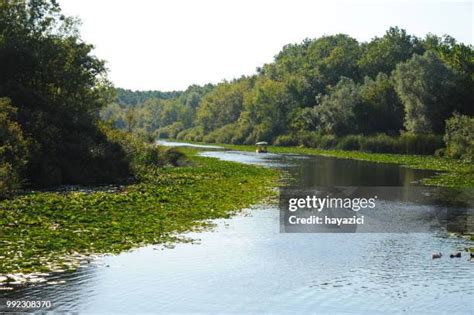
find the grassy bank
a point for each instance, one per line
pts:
(453, 173)
(43, 231)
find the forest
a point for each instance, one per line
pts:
(396, 94)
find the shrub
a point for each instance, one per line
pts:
(459, 137)
(441, 153)
(327, 142)
(350, 143)
(224, 134)
(171, 156)
(141, 154)
(9, 180)
(286, 140)
(170, 131)
(209, 138)
(379, 143)
(308, 139)
(193, 134)
(14, 149)
(427, 144)
(181, 134)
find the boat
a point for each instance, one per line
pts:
(261, 147)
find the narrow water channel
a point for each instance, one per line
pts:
(245, 265)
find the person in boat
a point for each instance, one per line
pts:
(261, 147)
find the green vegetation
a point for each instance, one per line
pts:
(459, 137)
(155, 114)
(131, 98)
(379, 143)
(392, 94)
(40, 231)
(13, 149)
(51, 90)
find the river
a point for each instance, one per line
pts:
(246, 265)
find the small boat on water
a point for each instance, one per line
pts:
(261, 147)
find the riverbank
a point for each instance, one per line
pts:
(452, 173)
(55, 231)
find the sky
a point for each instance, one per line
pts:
(171, 44)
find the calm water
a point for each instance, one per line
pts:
(245, 265)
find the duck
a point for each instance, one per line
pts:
(436, 255)
(455, 255)
(472, 256)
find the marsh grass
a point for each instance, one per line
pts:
(41, 230)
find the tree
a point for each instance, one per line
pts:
(58, 86)
(426, 87)
(267, 110)
(460, 58)
(310, 68)
(335, 112)
(14, 149)
(222, 105)
(459, 137)
(380, 110)
(383, 54)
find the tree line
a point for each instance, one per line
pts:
(391, 94)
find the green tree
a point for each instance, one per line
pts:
(426, 87)
(58, 86)
(384, 53)
(459, 137)
(222, 105)
(14, 149)
(312, 67)
(267, 110)
(380, 110)
(335, 112)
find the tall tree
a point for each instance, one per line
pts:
(384, 53)
(50, 74)
(336, 111)
(426, 86)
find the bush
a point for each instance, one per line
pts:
(286, 140)
(350, 143)
(327, 142)
(441, 153)
(380, 143)
(427, 144)
(172, 156)
(170, 131)
(9, 180)
(210, 138)
(141, 154)
(14, 149)
(308, 139)
(224, 134)
(192, 134)
(181, 135)
(459, 137)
